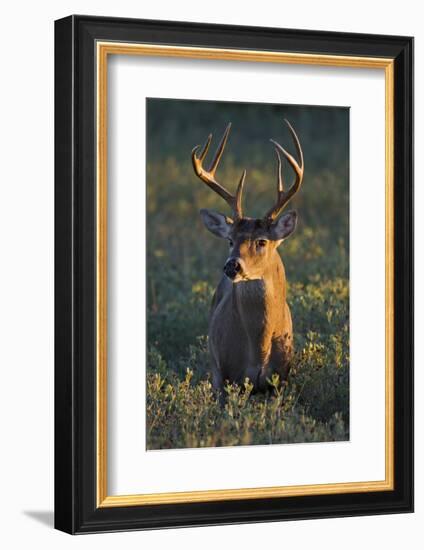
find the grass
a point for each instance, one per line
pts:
(184, 264)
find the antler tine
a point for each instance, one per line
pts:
(239, 194)
(280, 184)
(205, 149)
(220, 150)
(296, 142)
(283, 197)
(208, 176)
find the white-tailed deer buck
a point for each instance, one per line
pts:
(250, 327)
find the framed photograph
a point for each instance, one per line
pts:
(234, 274)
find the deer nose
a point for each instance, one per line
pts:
(232, 267)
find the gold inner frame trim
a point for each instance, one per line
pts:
(103, 50)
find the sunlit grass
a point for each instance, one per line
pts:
(182, 410)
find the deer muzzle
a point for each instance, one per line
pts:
(233, 267)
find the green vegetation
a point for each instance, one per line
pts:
(184, 264)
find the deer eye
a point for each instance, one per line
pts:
(261, 243)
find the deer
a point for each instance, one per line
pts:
(250, 333)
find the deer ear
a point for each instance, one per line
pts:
(217, 223)
(284, 227)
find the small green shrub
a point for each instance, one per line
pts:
(183, 414)
(313, 405)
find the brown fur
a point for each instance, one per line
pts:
(250, 329)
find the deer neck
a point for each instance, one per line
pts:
(258, 304)
(271, 287)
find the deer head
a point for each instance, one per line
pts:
(253, 241)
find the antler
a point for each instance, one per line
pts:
(208, 176)
(283, 197)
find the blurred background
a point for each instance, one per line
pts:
(184, 260)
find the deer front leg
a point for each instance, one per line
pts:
(281, 355)
(217, 378)
(274, 359)
(218, 387)
(258, 376)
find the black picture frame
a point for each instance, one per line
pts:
(76, 510)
